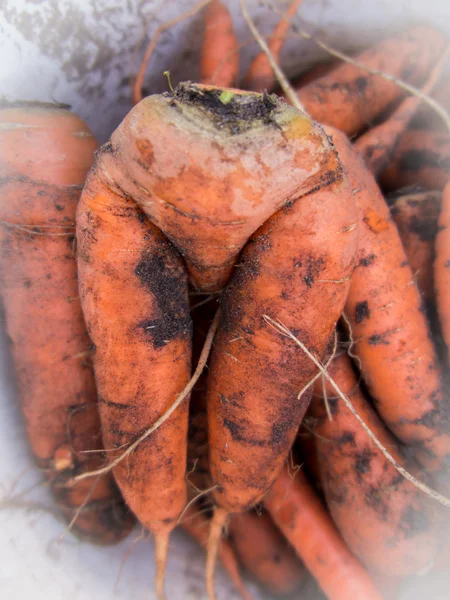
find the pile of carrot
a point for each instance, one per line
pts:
(198, 309)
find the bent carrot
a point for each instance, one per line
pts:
(45, 153)
(196, 524)
(389, 330)
(349, 98)
(219, 59)
(260, 76)
(133, 290)
(377, 144)
(416, 216)
(385, 520)
(442, 266)
(304, 521)
(265, 554)
(422, 157)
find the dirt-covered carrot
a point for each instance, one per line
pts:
(45, 153)
(377, 144)
(385, 520)
(197, 525)
(303, 519)
(265, 553)
(442, 266)
(133, 289)
(422, 157)
(195, 166)
(350, 98)
(260, 76)
(416, 216)
(219, 60)
(388, 328)
(297, 269)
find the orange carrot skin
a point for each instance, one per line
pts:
(133, 289)
(266, 554)
(385, 521)
(45, 153)
(301, 279)
(219, 61)
(421, 158)
(260, 76)
(416, 216)
(349, 98)
(197, 525)
(388, 326)
(304, 521)
(442, 266)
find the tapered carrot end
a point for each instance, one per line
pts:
(161, 550)
(215, 533)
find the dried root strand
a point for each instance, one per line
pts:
(278, 326)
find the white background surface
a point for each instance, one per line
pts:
(83, 53)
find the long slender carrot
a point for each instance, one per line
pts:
(133, 290)
(266, 554)
(349, 98)
(377, 144)
(219, 60)
(389, 330)
(416, 216)
(45, 153)
(302, 278)
(304, 521)
(260, 76)
(422, 157)
(385, 521)
(442, 266)
(197, 525)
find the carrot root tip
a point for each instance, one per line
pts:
(215, 533)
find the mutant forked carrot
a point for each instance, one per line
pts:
(377, 144)
(196, 167)
(266, 554)
(219, 59)
(442, 266)
(385, 521)
(296, 268)
(196, 525)
(416, 216)
(45, 153)
(349, 98)
(304, 521)
(388, 328)
(422, 157)
(260, 76)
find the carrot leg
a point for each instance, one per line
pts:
(133, 289)
(442, 266)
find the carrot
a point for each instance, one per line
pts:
(288, 273)
(260, 76)
(421, 158)
(442, 266)
(350, 98)
(416, 216)
(304, 521)
(377, 144)
(219, 60)
(266, 554)
(384, 519)
(196, 524)
(45, 153)
(167, 169)
(388, 327)
(133, 291)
